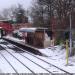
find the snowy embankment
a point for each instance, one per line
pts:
(57, 56)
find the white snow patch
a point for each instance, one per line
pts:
(4, 66)
(57, 57)
(15, 39)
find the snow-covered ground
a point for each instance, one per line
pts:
(15, 39)
(20, 64)
(56, 56)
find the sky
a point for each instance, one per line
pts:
(8, 3)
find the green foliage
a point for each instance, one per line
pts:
(16, 35)
(59, 41)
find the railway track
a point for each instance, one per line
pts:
(31, 58)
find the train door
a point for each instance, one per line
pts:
(1, 33)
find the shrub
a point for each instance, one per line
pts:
(59, 41)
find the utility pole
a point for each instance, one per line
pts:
(70, 17)
(70, 33)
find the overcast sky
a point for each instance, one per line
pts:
(7, 3)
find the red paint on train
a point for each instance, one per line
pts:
(7, 27)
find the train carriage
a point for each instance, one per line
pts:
(5, 27)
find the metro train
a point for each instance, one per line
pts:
(5, 27)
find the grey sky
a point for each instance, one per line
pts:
(7, 3)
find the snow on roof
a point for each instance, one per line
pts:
(27, 29)
(0, 27)
(30, 29)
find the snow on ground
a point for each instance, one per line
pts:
(54, 52)
(6, 66)
(18, 66)
(15, 39)
(56, 56)
(43, 64)
(31, 65)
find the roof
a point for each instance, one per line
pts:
(27, 29)
(31, 29)
(0, 27)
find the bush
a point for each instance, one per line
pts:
(16, 35)
(59, 41)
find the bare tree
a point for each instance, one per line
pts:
(15, 13)
(46, 9)
(37, 14)
(8, 13)
(42, 10)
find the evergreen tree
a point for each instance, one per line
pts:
(20, 15)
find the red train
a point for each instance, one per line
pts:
(6, 26)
